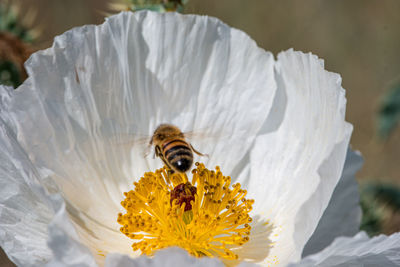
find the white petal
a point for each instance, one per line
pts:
(358, 251)
(63, 240)
(342, 217)
(170, 257)
(24, 215)
(297, 162)
(98, 83)
(214, 78)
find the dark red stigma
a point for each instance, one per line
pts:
(184, 193)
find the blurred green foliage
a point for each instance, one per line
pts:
(386, 193)
(9, 22)
(156, 5)
(389, 113)
(15, 40)
(9, 74)
(376, 200)
(372, 216)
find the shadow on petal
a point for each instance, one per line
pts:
(259, 245)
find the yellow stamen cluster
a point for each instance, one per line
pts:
(217, 223)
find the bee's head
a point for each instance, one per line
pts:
(165, 131)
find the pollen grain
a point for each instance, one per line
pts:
(216, 223)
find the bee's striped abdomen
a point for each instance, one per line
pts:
(178, 155)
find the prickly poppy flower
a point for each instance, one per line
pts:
(280, 155)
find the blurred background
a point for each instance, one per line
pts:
(360, 39)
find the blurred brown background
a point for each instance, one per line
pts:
(360, 39)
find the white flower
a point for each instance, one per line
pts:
(284, 139)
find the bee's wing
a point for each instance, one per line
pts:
(198, 134)
(147, 151)
(203, 136)
(129, 139)
(132, 140)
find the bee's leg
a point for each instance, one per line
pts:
(157, 152)
(197, 152)
(170, 171)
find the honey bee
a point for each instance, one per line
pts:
(173, 149)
